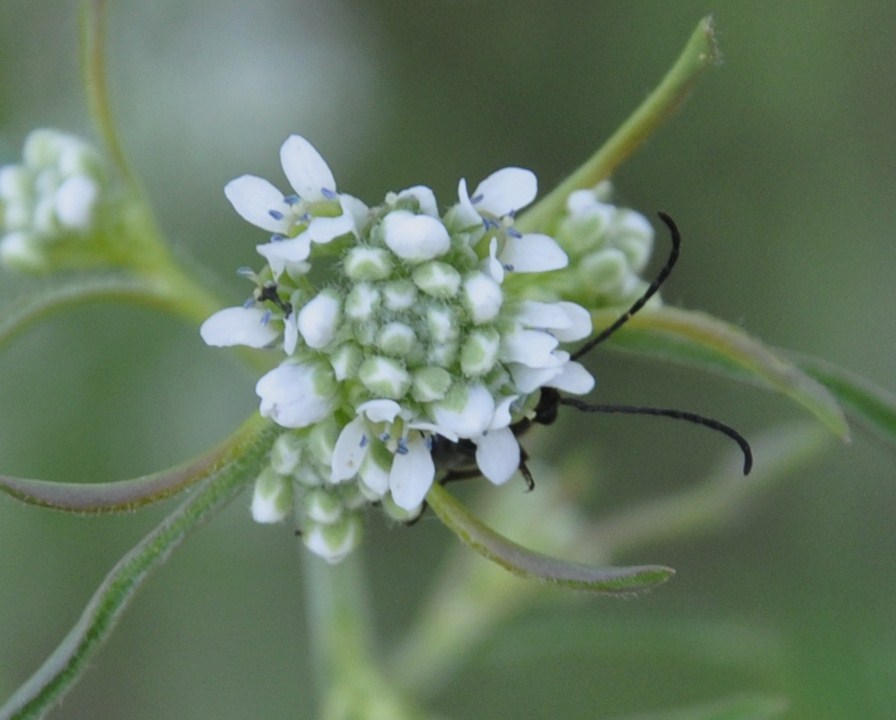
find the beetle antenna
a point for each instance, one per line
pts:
(641, 301)
(670, 413)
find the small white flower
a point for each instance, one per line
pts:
(415, 238)
(260, 203)
(483, 297)
(467, 413)
(353, 442)
(333, 542)
(75, 201)
(291, 395)
(319, 318)
(501, 194)
(271, 498)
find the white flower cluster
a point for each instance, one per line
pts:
(412, 338)
(608, 246)
(48, 199)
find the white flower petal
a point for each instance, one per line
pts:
(470, 420)
(255, 199)
(498, 455)
(483, 297)
(74, 201)
(529, 379)
(354, 208)
(380, 410)
(506, 191)
(350, 450)
(319, 319)
(290, 334)
(573, 378)
(425, 197)
(533, 253)
(502, 416)
(323, 229)
(374, 475)
(271, 498)
(495, 268)
(289, 396)
(579, 326)
(412, 474)
(534, 348)
(566, 321)
(283, 253)
(434, 429)
(306, 170)
(238, 326)
(543, 315)
(465, 214)
(415, 237)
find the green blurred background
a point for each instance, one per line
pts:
(780, 172)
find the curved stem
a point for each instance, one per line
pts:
(93, 68)
(64, 666)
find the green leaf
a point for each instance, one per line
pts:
(696, 339)
(744, 707)
(122, 495)
(874, 407)
(529, 564)
(64, 666)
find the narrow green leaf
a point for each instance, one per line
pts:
(696, 339)
(872, 406)
(64, 666)
(122, 495)
(529, 564)
(699, 54)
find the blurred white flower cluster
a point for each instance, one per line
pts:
(608, 249)
(400, 332)
(49, 203)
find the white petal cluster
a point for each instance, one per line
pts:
(413, 343)
(50, 198)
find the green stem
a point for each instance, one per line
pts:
(67, 663)
(349, 682)
(700, 53)
(93, 68)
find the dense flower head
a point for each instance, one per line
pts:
(399, 332)
(49, 203)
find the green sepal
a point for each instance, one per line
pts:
(534, 565)
(693, 338)
(244, 460)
